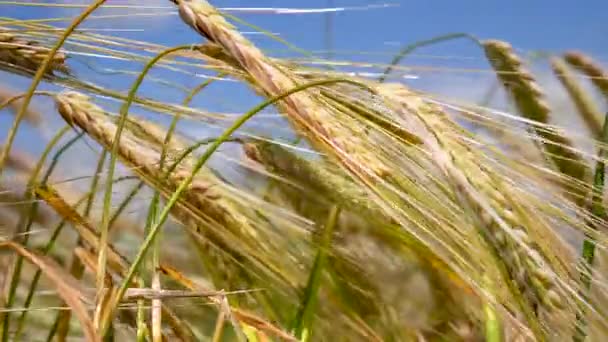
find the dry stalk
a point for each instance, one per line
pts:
(529, 99)
(584, 104)
(590, 68)
(28, 54)
(336, 186)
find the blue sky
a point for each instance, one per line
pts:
(544, 24)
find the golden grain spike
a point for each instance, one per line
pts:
(208, 207)
(310, 118)
(278, 159)
(588, 110)
(484, 197)
(28, 55)
(144, 158)
(530, 102)
(590, 68)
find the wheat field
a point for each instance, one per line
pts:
(214, 190)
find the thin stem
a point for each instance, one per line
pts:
(304, 319)
(411, 47)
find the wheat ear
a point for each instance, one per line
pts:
(588, 110)
(530, 102)
(506, 233)
(586, 65)
(310, 118)
(207, 203)
(28, 54)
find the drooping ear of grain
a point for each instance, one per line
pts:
(530, 102)
(586, 65)
(313, 175)
(209, 207)
(27, 55)
(506, 231)
(584, 104)
(310, 119)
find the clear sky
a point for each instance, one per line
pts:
(528, 24)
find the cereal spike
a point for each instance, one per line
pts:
(208, 201)
(530, 102)
(585, 106)
(507, 236)
(28, 55)
(590, 68)
(310, 118)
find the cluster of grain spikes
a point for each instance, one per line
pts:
(454, 160)
(224, 229)
(364, 233)
(530, 102)
(436, 183)
(27, 55)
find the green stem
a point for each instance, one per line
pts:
(107, 200)
(304, 318)
(588, 254)
(411, 47)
